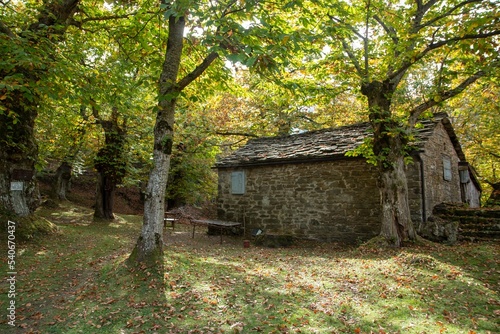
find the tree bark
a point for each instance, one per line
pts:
(18, 154)
(389, 148)
(18, 148)
(110, 163)
(62, 180)
(149, 247)
(105, 194)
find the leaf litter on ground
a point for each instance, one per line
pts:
(77, 281)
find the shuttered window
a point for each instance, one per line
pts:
(447, 168)
(238, 183)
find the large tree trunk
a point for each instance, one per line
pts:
(105, 195)
(18, 149)
(397, 225)
(149, 247)
(389, 148)
(18, 154)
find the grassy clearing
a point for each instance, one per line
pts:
(76, 282)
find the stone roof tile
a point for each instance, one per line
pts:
(317, 145)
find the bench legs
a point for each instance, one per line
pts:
(220, 227)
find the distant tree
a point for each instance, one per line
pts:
(110, 162)
(62, 180)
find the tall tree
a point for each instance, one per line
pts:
(110, 162)
(212, 29)
(149, 247)
(26, 47)
(384, 45)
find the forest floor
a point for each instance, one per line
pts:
(76, 281)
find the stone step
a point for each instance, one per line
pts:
(480, 235)
(477, 238)
(486, 227)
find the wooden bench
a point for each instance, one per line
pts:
(214, 223)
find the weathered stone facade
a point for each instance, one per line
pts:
(305, 186)
(437, 149)
(330, 201)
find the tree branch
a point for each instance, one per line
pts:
(348, 26)
(443, 96)
(193, 75)
(362, 73)
(231, 133)
(419, 26)
(389, 30)
(433, 46)
(422, 9)
(353, 58)
(55, 13)
(6, 30)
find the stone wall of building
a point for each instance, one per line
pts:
(414, 179)
(329, 201)
(437, 189)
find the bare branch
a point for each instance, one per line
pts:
(362, 73)
(422, 9)
(366, 40)
(443, 96)
(348, 26)
(389, 30)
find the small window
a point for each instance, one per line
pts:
(238, 183)
(447, 168)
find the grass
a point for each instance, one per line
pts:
(76, 282)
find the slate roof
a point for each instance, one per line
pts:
(320, 145)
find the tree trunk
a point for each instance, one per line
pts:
(105, 194)
(18, 149)
(389, 148)
(62, 180)
(397, 225)
(18, 153)
(110, 163)
(149, 246)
